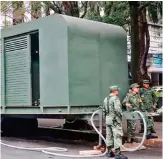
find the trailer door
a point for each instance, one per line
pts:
(17, 71)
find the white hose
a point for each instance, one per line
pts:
(46, 150)
(144, 135)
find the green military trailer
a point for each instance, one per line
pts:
(61, 67)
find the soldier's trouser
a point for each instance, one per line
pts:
(150, 125)
(131, 127)
(141, 124)
(114, 135)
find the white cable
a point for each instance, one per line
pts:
(35, 149)
(144, 135)
(46, 150)
(79, 156)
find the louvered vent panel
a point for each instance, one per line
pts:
(16, 44)
(17, 60)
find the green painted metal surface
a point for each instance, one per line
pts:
(79, 60)
(83, 67)
(0, 72)
(53, 57)
(17, 71)
(97, 59)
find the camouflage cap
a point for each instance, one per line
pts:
(146, 81)
(114, 88)
(134, 85)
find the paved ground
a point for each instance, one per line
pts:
(51, 123)
(10, 153)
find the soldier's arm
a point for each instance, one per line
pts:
(142, 108)
(118, 107)
(105, 105)
(160, 111)
(125, 100)
(155, 98)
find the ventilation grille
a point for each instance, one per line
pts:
(17, 72)
(16, 44)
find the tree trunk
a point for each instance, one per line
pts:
(135, 49)
(71, 8)
(47, 11)
(144, 44)
(108, 7)
(140, 42)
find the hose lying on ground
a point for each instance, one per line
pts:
(59, 149)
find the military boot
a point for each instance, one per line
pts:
(118, 154)
(121, 157)
(130, 140)
(110, 152)
(153, 130)
(150, 136)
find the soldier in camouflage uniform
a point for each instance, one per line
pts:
(150, 100)
(114, 133)
(132, 102)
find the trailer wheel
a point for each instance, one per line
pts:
(13, 126)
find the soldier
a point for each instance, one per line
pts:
(133, 102)
(150, 100)
(114, 133)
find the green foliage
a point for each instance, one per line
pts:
(155, 11)
(105, 19)
(114, 13)
(6, 23)
(18, 7)
(36, 9)
(36, 5)
(6, 7)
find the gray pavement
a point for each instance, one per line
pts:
(50, 123)
(10, 153)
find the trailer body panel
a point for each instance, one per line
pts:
(79, 60)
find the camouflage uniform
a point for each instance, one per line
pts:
(114, 133)
(149, 99)
(160, 111)
(136, 104)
